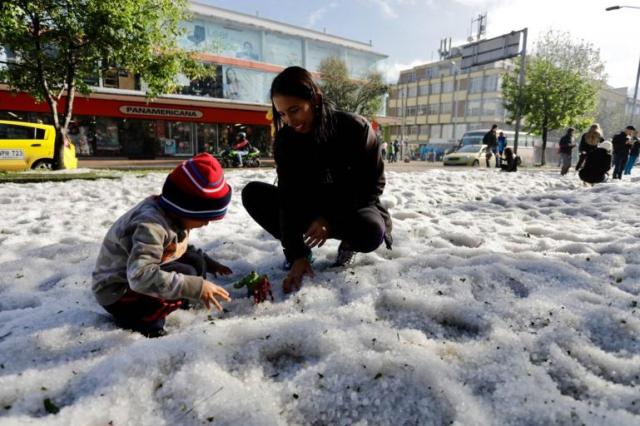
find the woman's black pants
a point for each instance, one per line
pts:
(362, 229)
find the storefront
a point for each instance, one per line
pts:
(116, 125)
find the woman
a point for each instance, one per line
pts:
(330, 176)
(597, 164)
(589, 142)
(510, 162)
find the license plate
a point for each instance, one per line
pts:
(11, 154)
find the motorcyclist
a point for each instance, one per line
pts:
(242, 146)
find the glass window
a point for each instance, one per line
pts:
(207, 135)
(182, 134)
(447, 86)
(218, 38)
(491, 83)
(435, 130)
(423, 90)
(317, 51)
(447, 131)
(412, 91)
(246, 85)
(10, 131)
(282, 49)
(445, 108)
(107, 138)
(434, 88)
(474, 107)
(208, 86)
(462, 84)
(476, 85)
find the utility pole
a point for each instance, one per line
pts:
(523, 65)
(635, 97)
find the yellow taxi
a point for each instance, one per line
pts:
(31, 146)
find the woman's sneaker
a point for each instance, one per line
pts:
(345, 256)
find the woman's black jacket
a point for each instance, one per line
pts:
(327, 179)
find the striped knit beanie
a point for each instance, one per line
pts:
(196, 189)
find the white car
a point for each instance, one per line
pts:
(469, 155)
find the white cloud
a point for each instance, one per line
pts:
(391, 71)
(388, 8)
(318, 14)
(614, 33)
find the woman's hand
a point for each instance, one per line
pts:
(209, 293)
(317, 233)
(293, 280)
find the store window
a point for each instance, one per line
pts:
(107, 139)
(207, 135)
(182, 135)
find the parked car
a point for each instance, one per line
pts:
(26, 146)
(468, 155)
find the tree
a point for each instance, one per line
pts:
(60, 46)
(563, 79)
(363, 97)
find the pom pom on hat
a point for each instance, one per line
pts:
(196, 189)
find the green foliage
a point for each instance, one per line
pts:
(560, 90)
(59, 46)
(363, 97)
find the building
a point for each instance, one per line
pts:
(437, 102)
(246, 52)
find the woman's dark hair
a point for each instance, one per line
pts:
(508, 152)
(298, 82)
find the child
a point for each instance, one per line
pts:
(145, 270)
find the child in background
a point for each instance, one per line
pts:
(145, 269)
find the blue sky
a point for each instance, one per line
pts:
(409, 31)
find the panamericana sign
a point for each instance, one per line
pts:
(160, 112)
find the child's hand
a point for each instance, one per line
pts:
(209, 293)
(216, 268)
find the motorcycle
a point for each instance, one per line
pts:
(229, 158)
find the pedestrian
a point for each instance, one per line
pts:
(396, 150)
(633, 155)
(490, 139)
(391, 152)
(511, 161)
(502, 144)
(596, 164)
(588, 142)
(319, 195)
(383, 150)
(622, 143)
(565, 147)
(145, 268)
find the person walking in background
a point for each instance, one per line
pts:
(502, 144)
(383, 150)
(490, 139)
(621, 145)
(633, 155)
(597, 164)
(332, 196)
(588, 142)
(396, 150)
(566, 146)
